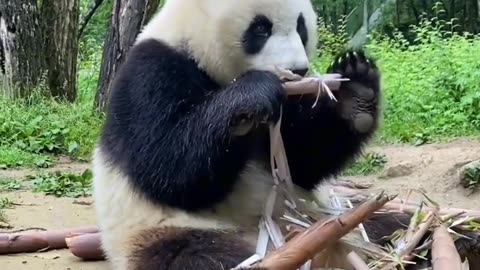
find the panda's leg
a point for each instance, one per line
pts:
(174, 248)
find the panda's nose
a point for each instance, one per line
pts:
(302, 72)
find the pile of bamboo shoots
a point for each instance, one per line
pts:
(432, 228)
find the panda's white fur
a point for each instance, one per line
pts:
(210, 31)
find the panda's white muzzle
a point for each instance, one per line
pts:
(282, 52)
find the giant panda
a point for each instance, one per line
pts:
(182, 165)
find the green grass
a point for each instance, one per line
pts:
(10, 184)
(431, 89)
(33, 132)
(471, 177)
(63, 184)
(5, 203)
(59, 184)
(368, 164)
(12, 156)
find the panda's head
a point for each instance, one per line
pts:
(229, 37)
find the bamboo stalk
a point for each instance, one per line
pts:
(313, 85)
(356, 261)
(38, 241)
(444, 253)
(86, 246)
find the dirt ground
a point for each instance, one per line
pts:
(430, 168)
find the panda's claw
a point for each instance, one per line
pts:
(356, 66)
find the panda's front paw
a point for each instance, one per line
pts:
(259, 101)
(358, 97)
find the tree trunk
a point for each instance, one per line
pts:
(21, 61)
(61, 18)
(478, 9)
(472, 16)
(128, 17)
(477, 17)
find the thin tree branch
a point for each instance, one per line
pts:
(93, 7)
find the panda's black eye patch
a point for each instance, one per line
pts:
(257, 34)
(302, 29)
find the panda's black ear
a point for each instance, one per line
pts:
(302, 29)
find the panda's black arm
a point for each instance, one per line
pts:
(320, 141)
(169, 126)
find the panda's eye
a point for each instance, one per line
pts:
(261, 30)
(257, 34)
(261, 26)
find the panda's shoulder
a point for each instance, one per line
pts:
(155, 54)
(158, 71)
